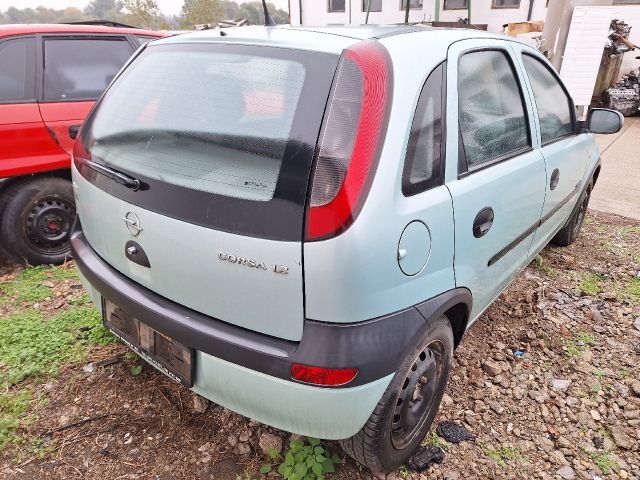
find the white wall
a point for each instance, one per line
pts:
(314, 13)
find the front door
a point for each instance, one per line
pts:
(77, 69)
(565, 151)
(498, 186)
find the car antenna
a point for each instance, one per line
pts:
(268, 20)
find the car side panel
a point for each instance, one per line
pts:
(59, 116)
(26, 146)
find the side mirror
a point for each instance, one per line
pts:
(604, 120)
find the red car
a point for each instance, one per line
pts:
(50, 77)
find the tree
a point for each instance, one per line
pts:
(142, 13)
(254, 14)
(104, 9)
(72, 14)
(230, 9)
(196, 12)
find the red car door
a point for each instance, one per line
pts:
(25, 142)
(77, 69)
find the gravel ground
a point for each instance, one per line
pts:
(547, 381)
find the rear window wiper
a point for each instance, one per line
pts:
(118, 177)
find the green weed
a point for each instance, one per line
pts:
(403, 471)
(632, 291)
(308, 461)
(627, 231)
(587, 339)
(13, 405)
(33, 346)
(28, 286)
(433, 439)
(504, 454)
(603, 461)
(589, 284)
(538, 264)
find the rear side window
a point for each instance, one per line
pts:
(553, 104)
(81, 68)
(142, 39)
(492, 117)
(17, 70)
(423, 162)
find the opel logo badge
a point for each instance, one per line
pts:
(132, 222)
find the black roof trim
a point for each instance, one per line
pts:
(101, 23)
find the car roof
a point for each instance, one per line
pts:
(33, 28)
(321, 39)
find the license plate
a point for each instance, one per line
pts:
(166, 354)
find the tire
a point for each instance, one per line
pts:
(571, 230)
(391, 436)
(37, 219)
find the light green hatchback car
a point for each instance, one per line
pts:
(301, 224)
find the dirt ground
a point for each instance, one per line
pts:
(547, 381)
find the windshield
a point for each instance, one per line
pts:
(226, 121)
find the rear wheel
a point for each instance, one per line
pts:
(571, 230)
(404, 414)
(37, 218)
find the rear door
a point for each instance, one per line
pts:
(25, 143)
(221, 139)
(565, 151)
(498, 188)
(76, 70)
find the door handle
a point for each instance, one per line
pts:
(483, 222)
(555, 178)
(73, 131)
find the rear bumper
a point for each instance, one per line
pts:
(249, 372)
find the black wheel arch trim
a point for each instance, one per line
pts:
(376, 347)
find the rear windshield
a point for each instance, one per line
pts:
(234, 125)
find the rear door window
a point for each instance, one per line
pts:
(493, 123)
(81, 68)
(230, 125)
(17, 70)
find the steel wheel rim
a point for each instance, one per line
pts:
(418, 395)
(47, 225)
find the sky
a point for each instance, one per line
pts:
(169, 7)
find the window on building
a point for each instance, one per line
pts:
(552, 102)
(505, 4)
(336, 5)
(412, 4)
(423, 165)
(17, 70)
(492, 119)
(455, 4)
(376, 5)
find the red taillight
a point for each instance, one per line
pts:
(332, 377)
(352, 133)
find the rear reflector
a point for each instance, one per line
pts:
(332, 377)
(352, 134)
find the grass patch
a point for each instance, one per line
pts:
(587, 339)
(628, 231)
(13, 406)
(538, 264)
(504, 455)
(589, 284)
(28, 286)
(33, 346)
(432, 438)
(632, 291)
(603, 461)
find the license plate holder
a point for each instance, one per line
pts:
(166, 354)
